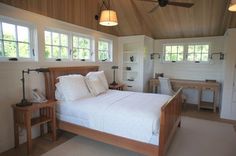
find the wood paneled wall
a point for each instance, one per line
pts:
(205, 18)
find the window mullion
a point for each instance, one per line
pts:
(17, 46)
(51, 45)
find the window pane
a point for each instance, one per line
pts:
(75, 54)
(204, 57)
(198, 49)
(191, 49)
(55, 38)
(84, 54)
(9, 32)
(205, 48)
(24, 50)
(84, 43)
(197, 57)
(168, 49)
(174, 49)
(191, 57)
(10, 49)
(103, 45)
(56, 52)
(174, 57)
(47, 37)
(48, 51)
(180, 49)
(103, 55)
(64, 40)
(64, 53)
(23, 34)
(75, 42)
(167, 57)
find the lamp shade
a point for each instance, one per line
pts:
(232, 6)
(108, 18)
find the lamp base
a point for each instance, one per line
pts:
(24, 103)
(114, 83)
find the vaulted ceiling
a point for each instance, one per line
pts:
(205, 18)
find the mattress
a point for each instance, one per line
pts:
(128, 114)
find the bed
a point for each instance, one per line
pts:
(163, 129)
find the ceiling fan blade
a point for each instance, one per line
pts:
(153, 9)
(149, 0)
(181, 4)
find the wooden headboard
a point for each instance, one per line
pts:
(53, 73)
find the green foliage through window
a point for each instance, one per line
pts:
(81, 48)
(104, 50)
(174, 52)
(14, 41)
(198, 52)
(56, 45)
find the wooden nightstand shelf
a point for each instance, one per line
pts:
(117, 87)
(23, 118)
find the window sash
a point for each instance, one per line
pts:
(198, 55)
(172, 55)
(107, 51)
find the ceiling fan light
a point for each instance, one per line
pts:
(232, 6)
(108, 18)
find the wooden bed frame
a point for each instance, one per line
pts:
(169, 121)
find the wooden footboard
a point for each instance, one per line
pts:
(170, 120)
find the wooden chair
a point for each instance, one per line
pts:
(166, 88)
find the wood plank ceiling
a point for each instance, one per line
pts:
(205, 18)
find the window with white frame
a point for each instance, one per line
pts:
(198, 52)
(173, 53)
(56, 45)
(16, 40)
(82, 48)
(104, 50)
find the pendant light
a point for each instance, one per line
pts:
(232, 6)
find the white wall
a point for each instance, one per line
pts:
(192, 71)
(228, 102)
(10, 72)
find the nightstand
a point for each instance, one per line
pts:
(23, 118)
(117, 87)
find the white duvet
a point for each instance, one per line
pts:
(128, 114)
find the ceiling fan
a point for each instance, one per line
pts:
(163, 3)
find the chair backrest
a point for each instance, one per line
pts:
(165, 86)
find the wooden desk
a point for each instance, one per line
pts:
(192, 84)
(23, 118)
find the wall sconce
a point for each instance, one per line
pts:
(107, 16)
(153, 54)
(232, 6)
(220, 53)
(24, 102)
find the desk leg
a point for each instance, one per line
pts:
(42, 125)
(215, 95)
(199, 98)
(28, 131)
(16, 129)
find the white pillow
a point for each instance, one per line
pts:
(95, 85)
(59, 93)
(73, 87)
(101, 76)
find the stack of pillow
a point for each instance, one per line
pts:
(74, 87)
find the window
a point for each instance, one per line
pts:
(82, 48)
(174, 53)
(56, 45)
(16, 40)
(104, 50)
(198, 52)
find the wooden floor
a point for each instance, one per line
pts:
(43, 144)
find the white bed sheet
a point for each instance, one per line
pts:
(128, 114)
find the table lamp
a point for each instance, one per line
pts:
(114, 75)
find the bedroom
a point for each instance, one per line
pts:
(169, 25)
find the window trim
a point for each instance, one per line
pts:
(110, 49)
(59, 31)
(185, 53)
(32, 39)
(92, 46)
(173, 44)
